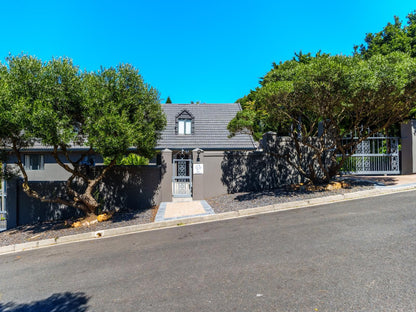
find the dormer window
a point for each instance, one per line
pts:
(184, 126)
(184, 123)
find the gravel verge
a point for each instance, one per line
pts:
(223, 203)
(237, 201)
(46, 230)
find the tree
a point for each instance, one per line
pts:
(168, 100)
(254, 117)
(393, 37)
(54, 104)
(342, 94)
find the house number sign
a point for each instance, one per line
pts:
(198, 168)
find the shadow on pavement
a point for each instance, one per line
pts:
(63, 302)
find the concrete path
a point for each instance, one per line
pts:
(180, 210)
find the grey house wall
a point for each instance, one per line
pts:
(52, 170)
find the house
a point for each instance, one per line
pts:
(193, 146)
(190, 163)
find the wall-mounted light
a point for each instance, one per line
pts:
(198, 152)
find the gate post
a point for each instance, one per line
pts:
(408, 134)
(198, 174)
(166, 179)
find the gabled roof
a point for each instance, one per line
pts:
(210, 128)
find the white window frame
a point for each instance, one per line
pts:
(184, 126)
(28, 165)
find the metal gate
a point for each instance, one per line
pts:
(375, 155)
(3, 213)
(182, 178)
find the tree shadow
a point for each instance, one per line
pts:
(60, 302)
(376, 180)
(254, 172)
(280, 192)
(287, 192)
(130, 190)
(126, 190)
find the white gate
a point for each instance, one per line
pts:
(375, 155)
(3, 213)
(182, 178)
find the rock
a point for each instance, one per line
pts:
(76, 224)
(104, 217)
(345, 184)
(333, 186)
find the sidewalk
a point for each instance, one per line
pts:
(197, 212)
(391, 181)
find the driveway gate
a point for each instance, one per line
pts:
(375, 155)
(182, 178)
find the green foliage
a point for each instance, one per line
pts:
(168, 100)
(129, 160)
(393, 37)
(54, 104)
(122, 111)
(345, 94)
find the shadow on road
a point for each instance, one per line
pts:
(63, 302)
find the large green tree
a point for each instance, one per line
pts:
(54, 104)
(393, 37)
(317, 101)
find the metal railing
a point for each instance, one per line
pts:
(375, 155)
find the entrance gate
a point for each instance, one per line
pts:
(375, 155)
(3, 213)
(182, 178)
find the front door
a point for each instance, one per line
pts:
(182, 177)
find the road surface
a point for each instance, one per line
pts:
(351, 256)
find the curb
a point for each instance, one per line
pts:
(378, 191)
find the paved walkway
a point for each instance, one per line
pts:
(181, 210)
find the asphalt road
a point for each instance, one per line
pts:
(351, 256)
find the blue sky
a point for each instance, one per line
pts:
(209, 51)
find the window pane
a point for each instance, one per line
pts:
(33, 162)
(181, 125)
(188, 125)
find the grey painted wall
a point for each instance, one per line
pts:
(236, 171)
(127, 188)
(408, 155)
(131, 188)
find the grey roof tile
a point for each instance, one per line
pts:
(210, 128)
